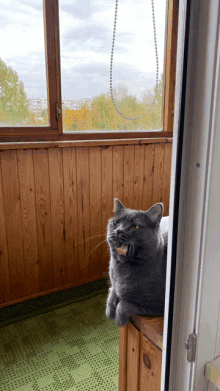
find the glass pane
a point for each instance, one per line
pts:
(23, 89)
(86, 32)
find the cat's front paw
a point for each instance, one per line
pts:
(110, 311)
(122, 316)
(121, 321)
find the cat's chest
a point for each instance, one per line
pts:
(127, 279)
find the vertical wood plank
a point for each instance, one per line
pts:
(128, 176)
(13, 223)
(157, 195)
(82, 162)
(138, 176)
(28, 218)
(167, 177)
(95, 191)
(107, 199)
(149, 152)
(5, 295)
(70, 201)
(118, 173)
(43, 214)
(123, 340)
(150, 365)
(57, 214)
(133, 348)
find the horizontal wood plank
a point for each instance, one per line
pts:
(80, 143)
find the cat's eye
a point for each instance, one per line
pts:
(135, 226)
(115, 223)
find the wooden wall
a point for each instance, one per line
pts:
(53, 200)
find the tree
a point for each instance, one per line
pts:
(100, 114)
(13, 99)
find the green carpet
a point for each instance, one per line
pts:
(62, 341)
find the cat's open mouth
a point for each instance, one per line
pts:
(123, 249)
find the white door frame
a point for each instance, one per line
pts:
(191, 180)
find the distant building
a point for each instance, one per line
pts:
(38, 105)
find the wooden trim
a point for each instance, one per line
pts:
(60, 288)
(58, 70)
(151, 326)
(46, 134)
(122, 379)
(52, 47)
(26, 131)
(88, 143)
(170, 64)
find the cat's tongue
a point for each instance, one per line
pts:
(123, 249)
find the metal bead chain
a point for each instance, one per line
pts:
(157, 63)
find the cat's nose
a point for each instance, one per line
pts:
(119, 232)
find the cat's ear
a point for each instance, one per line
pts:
(156, 213)
(118, 206)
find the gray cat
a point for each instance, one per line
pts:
(138, 257)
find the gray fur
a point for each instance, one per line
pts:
(137, 278)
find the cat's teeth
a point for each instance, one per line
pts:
(125, 248)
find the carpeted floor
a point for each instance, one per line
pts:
(62, 341)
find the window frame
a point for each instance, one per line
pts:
(54, 131)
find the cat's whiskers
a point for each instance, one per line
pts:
(84, 241)
(89, 222)
(95, 248)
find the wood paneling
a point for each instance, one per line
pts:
(28, 219)
(118, 173)
(95, 202)
(57, 216)
(4, 266)
(43, 214)
(55, 204)
(83, 209)
(107, 198)
(70, 203)
(128, 176)
(150, 365)
(123, 342)
(149, 157)
(133, 346)
(11, 195)
(138, 176)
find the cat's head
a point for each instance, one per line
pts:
(132, 232)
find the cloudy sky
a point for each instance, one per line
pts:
(86, 30)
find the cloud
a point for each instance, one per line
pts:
(82, 9)
(95, 37)
(86, 81)
(4, 21)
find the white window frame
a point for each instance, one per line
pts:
(194, 176)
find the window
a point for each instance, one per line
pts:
(92, 115)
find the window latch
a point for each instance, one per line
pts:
(58, 111)
(190, 346)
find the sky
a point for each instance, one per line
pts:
(86, 31)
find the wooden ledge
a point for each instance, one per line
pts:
(80, 143)
(152, 328)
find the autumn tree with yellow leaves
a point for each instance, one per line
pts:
(100, 113)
